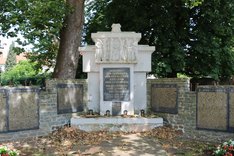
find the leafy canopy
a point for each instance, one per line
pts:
(38, 22)
(192, 37)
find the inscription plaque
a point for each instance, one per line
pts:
(23, 109)
(116, 108)
(116, 84)
(164, 98)
(70, 98)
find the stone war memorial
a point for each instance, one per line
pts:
(116, 66)
(115, 96)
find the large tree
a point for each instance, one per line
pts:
(211, 34)
(162, 23)
(68, 56)
(191, 36)
(194, 37)
(50, 26)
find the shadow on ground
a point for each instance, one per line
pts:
(131, 144)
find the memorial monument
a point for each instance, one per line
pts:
(117, 67)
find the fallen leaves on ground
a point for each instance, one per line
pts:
(79, 136)
(69, 140)
(173, 142)
(165, 132)
(61, 141)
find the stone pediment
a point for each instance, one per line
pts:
(116, 46)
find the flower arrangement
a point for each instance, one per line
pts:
(226, 149)
(4, 151)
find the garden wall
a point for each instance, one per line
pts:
(40, 111)
(173, 91)
(204, 114)
(19, 109)
(60, 101)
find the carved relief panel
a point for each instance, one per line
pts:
(115, 47)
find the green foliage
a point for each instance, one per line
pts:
(25, 70)
(211, 40)
(163, 24)
(179, 75)
(38, 22)
(11, 58)
(192, 37)
(95, 14)
(4, 151)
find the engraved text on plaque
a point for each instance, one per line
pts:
(116, 84)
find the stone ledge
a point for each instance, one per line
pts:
(13, 136)
(116, 124)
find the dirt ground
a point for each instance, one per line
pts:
(71, 141)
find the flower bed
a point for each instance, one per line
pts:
(4, 151)
(226, 149)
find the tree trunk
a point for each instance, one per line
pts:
(70, 39)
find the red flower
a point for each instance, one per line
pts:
(228, 154)
(230, 148)
(225, 147)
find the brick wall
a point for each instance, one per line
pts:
(176, 120)
(49, 117)
(185, 119)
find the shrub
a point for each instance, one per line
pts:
(22, 70)
(225, 149)
(24, 73)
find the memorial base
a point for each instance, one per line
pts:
(138, 124)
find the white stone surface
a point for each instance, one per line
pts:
(117, 49)
(116, 124)
(115, 120)
(116, 28)
(144, 63)
(140, 100)
(93, 91)
(89, 64)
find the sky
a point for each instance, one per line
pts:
(6, 42)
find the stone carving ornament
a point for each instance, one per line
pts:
(116, 48)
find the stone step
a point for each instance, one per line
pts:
(137, 124)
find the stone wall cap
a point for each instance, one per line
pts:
(109, 34)
(146, 48)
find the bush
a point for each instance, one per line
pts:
(22, 70)
(226, 149)
(24, 73)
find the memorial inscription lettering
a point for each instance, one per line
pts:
(116, 84)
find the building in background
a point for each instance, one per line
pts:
(3, 55)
